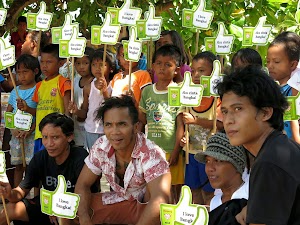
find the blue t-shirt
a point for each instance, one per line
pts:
(286, 90)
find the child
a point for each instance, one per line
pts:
(161, 118)
(139, 78)
(18, 37)
(53, 93)
(245, 57)
(83, 68)
(27, 68)
(282, 60)
(172, 37)
(94, 94)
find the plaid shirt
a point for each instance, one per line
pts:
(148, 162)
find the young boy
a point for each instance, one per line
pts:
(253, 108)
(139, 78)
(161, 118)
(53, 93)
(200, 121)
(282, 60)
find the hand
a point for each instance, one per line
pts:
(25, 134)
(53, 220)
(15, 133)
(188, 118)
(22, 105)
(101, 84)
(182, 142)
(72, 107)
(5, 189)
(241, 217)
(173, 158)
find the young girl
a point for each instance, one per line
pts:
(245, 57)
(28, 69)
(161, 118)
(172, 37)
(83, 68)
(93, 95)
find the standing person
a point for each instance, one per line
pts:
(83, 68)
(162, 119)
(18, 37)
(60, 157)
(282, 59)
(200, 121)
(94, 94)
(135, 168)
(245, 57)
(28, 69)
(253, 108)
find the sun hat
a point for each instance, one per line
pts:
(218, 147)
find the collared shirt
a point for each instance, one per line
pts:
(147, 163)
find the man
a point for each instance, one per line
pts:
(59, 157)
(253, 107)
(18, 37)
(135, 168)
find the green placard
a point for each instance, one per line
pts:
(41, 20)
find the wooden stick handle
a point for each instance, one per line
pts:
(72, 80)
(4, 207)
(129, 80)
(23, 152)
(197, 42)
(39, 42)
(13, 82)
(214, 130)
(187, 138)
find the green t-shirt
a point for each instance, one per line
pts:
(161, 118)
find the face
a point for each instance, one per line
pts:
(201, 67)
(124, 63)
(49, 65)
(221, 174)
(25, 76)
(244, 124)
(82, 66)
(279, 65)
(164, 68)
(119, 129)
(28, 45)
(22, 26)
(164, 40)
(96, 68)
(56, 142)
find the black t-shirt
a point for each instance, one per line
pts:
(274, 194)
(43, 168)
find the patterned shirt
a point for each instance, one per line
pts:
(148, 162)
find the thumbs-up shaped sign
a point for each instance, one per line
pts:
(65, 32)
(3, 13)
(2, 163)
(151, 26)
(133, 47)
(7, 54)
(257, 35)
(222, 44)
(184, 212)
(187, 94)
(59, 203)
(209, 82)
(126, 15)
(72, 48)
(199, 18)
(107, 33)
(40, 20)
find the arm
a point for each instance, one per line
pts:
(82, 113)
(205, 123)
(85, 180)
(179, 134)
(295, 130)
(67, 98)
(101, 84)
(159, 190)
(142, 119)
(22, 105)
(12, 195)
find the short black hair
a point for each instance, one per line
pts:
(291, 42)
(207, 55)
(262, 91)
(248, 56)
(58, 120)
(52, 49)
(124, 101)
(22, 19)
(30, 62)
(169, 50)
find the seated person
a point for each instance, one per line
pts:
(224, 166)
(135, 168)
(60, 157)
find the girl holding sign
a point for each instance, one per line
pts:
(28, 69)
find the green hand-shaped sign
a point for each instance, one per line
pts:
(7, 54)
(59, 203)
(133, 47)
(18, 120)
(187, 94)
(40, 20)
(2, 163)
(199, 18)
(3, 13)
(184, 213)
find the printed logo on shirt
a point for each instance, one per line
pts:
(53, 92)
(157, 116)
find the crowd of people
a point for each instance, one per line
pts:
(246, 173)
